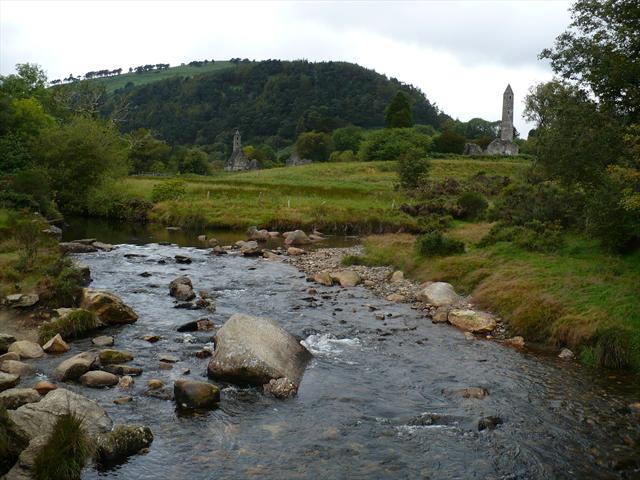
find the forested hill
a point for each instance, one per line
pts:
(270, 101)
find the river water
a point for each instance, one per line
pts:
(371, 403)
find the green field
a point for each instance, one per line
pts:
(113, 83)
(357, 197)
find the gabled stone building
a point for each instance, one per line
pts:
(238, 161)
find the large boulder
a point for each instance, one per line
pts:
(193, 394)
(472, 321)
(346, 278)
(39, 418)
(182, 289)
(439, 294)
(122, 442)
(18, 368)
(76, 247)
(109, 307)
(16, 397)
(5, 341)
(8, 380)
(26, 349)
(255, 350)
(72, 368)
(297, 237)
(98, 379)
(83, 269)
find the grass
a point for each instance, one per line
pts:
(581, 296)
(74, 325)
(66, 452)
(113, 83)
(357, 197)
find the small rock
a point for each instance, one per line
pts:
(74, 367)
(26, 349)
(110, 356)
(469, 336)
(9, 356)
(169, 358)
(294, 251)
(250, 249)
(202, 238)
(125, 382)
(98, 379)
(151, 338)
(203, 353)
(8, 380)
(635, 407)
(489, 423)
(472, 321)
(212, 242)
(441, 315)
(123, 400)
(297, 237)
(192, 394)
(517, 342)
(566, 354)
(270, 255)
(369, 283)
(346, 278)
(105, 247)
(324, 278)
(395, 297)
(397, 277)
(122, 442)
(439, 294)
(43, 387)
(155, 384)
(56, 345)
(103, 341)
(182, 289)
(201, 325)
(281, 388)
(182, 259)
(469, 392)
(123, 370)
(16, 397)
(75, 247)
(18, 368)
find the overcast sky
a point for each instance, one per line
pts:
(461, 54)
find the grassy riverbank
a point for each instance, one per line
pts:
(357, 197)
(580, 296)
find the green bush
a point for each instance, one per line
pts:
(413, 168)
(449, 141)
(66, 452)
(315, 146)
(343, 156)
(434, 244)
(74, 325)
(391, 143)
(534, 236)
(472, 205)
(347, 138)
(168, 190)
(433, 222)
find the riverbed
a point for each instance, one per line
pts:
(373, 402)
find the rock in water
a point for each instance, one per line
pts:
(43, 387)
(98, 379)
(192, 394)
(281, 388)
(489, 423)
(72, 368)
(255, 350)
(472, 321)
(250, 249)
(182, 289)
(297, 237)
(469, 392)
(56, 345)
(76, 247)
(323, 278)
(109, 356)
(182, 259)
(26, 349)
(18, 368)
(439, 294)
(39, 418)
(122, 442)
(109, 308)
(16, 397)
(346, 278)
(8, 380)
(103, 341)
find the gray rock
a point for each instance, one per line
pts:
(281, 388)
(258, 235)
(75, 247)
(53, 231)
(18, 368)
(26, 349)
(105, 247)
(469, 392)
(83, 269)
(472, 321)
(98, 379)
(200, 325)
(297, 237)
(109, 308)
(255, 350)
(122, 442)
(103, 341)
(346, 278)
(250, 249)
(472, 149)
(5, 341)
(439, 294)
(9, 356)
(182, 259)
(441, 315)
(123, 370)
(16, 397)
(489, 423)
(182, 289)
(8, 380)
(193, 394)
(566, 354)
(22, 300)
(72, 368)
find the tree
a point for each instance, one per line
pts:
(398, 112)
(30, 80)
(145, 151)
(600, 52)
(413, 168)
(315, 146)
(78, 156)
(449, 141)
(347, 138)
(391, 143)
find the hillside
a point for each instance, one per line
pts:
(116, 82)
(270, 101)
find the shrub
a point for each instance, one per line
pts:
(347, 138)
(534, 236)
(435, 222)
(349, 260)
(449, 141)
(434, 244)
(413, 168)
(613, 348)
(168, 190)
(315, 146)
(66, 452)
(61, 287)
(472, 205)
(74, 325)
(391, 143)
(343, 156)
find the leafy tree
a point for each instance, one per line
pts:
(315, 146)
(80, 155)
(29, 81)
(191, 160)
(413, 168)
(391, 143)
(398, 112)
(347, 138)
(600, 52)
(145, 151)
(449, 141)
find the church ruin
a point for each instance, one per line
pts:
(505, 145)
(238, 161)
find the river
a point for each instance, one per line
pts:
(371, 403)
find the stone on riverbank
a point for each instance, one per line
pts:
(250, 249)
(16, 397)
(439, 294)
(181, 288)
(346, 278)
(441, 315)
(8, 380)
(83, 269)
(258, 235)
(193, 394)
(200, 325)
(517, 342)
(72, 368)
(98, 379)
(43, 387)
(76, 247)
(122, 442)
(323, 278)
(5, 342)
(26, 349)
(18, 368)
(56, 345)
(22, 300)
(472, 321)
(255, 350)
(295, 251)
(297, 237)
(566, 354)
(110, 309)
(397, 277)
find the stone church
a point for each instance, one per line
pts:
(505, 145)
(238, 161)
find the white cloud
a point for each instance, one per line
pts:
(461, 54)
